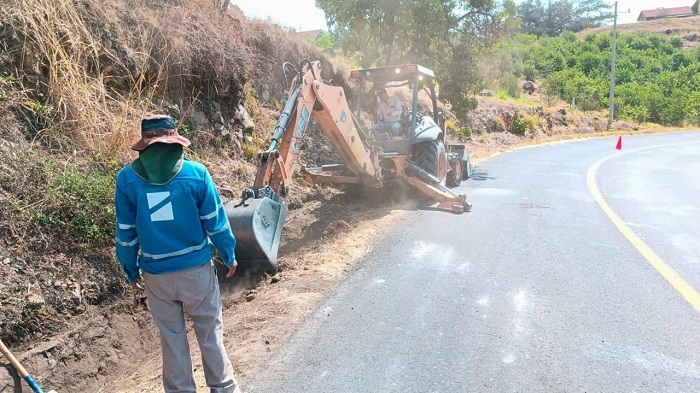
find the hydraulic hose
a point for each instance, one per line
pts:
(283, 122)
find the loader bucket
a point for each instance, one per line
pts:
(257, 225)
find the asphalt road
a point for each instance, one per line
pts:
(536, 290)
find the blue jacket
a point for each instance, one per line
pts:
(174, 224)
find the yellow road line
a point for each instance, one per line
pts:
(688, 292)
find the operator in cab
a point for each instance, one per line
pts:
(388, 114)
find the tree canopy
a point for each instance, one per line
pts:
(447, 35)
(552, 18)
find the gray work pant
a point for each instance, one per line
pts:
(195, 292)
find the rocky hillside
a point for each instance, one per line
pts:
(75, 79)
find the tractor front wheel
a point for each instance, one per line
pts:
(454, 177)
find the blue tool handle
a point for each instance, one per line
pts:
(32, 384)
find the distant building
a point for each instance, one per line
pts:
(311, 35)
(661, 13)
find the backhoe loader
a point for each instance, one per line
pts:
(416, 156)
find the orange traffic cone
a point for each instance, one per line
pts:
(619, 144)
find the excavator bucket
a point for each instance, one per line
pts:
(257, 225)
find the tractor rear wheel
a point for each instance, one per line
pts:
(454, 177)
(431, 156)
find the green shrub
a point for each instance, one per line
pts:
(530, 72)
(463, 133)
(694, 109)
(79, 204)
(680, 60)
(676, 42)
(511, 85)
(533, 122)
(640, 114)
(324, 41)
(520, 124)
(550, 92)
(590, 63)
(451, 125)
(569, 36)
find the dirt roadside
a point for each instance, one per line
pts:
(116, 349)
(256, 329)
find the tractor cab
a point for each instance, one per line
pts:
(391, 112)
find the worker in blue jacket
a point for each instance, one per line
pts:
(169, 219)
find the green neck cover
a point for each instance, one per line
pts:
(159, 163)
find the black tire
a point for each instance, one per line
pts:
(454, 177)
(432, 157)
(466, 167)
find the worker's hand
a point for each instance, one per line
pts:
(137, 285)
(232, 269)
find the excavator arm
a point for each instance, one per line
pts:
(258, 217)
(310, 96)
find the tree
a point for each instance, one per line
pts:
(446, 35)
(324, 41)
(531, 14)
(365, 25)
(555, 17)
(591, 13)
(474, 27)
(560, 17)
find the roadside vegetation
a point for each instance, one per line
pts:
(657, 76)
(657, 79)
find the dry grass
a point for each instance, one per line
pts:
(678, 26)
(93, 69)
(499, 124)
(81, 111)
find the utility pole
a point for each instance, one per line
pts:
(612, 69)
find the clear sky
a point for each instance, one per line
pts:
(298, 14)
(303, 14)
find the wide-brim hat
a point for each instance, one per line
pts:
(159, 128)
